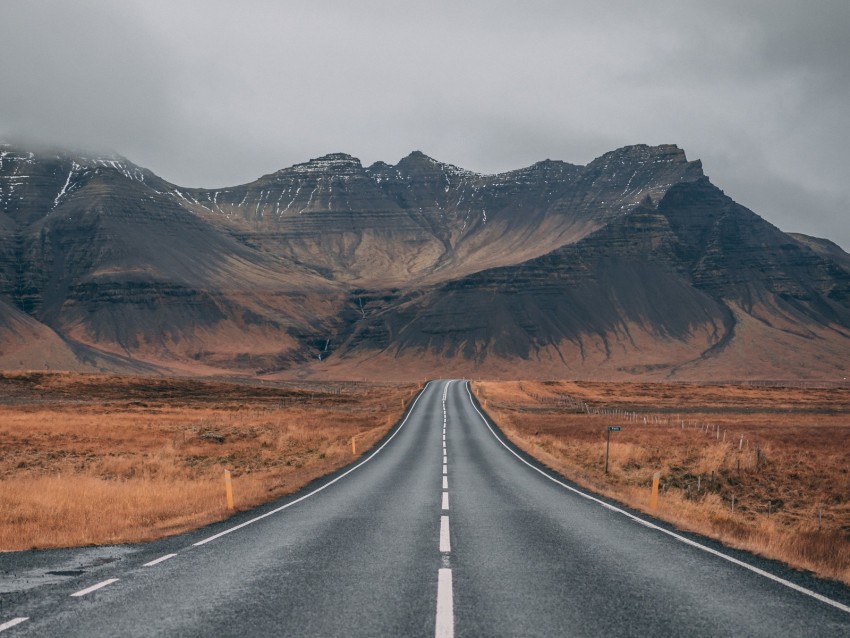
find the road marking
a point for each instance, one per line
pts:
(323, 487)
(445, 543)
(100, 585)
(678, 537)
(445, 623)
(159, 560)
(445, 606)
(17, 621)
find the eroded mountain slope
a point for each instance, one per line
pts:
(662, 290)
(633, 264)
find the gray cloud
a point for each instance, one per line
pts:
(205, 93)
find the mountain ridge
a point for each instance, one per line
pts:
(632, 264)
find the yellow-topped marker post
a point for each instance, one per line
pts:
(653, 499)
(228, 489)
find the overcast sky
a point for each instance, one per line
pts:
(213, 93)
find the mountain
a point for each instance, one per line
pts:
(635, 264)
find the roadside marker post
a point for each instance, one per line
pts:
(653, 501)
(228, 489)
(611, 428)
(354, 442)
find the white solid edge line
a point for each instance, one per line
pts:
(159, 560)
(100, 585)
(323, 487)
(678, 537)
(445, 627)
(445, 501)
(17, 621)
(445, 541)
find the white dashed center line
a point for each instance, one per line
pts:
(159, 560)
(100, 585)
(445, 607)
(17, 621)
(445, 622)
(445, 542)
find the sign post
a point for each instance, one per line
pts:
(611, 428)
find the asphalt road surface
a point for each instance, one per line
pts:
(444, 529)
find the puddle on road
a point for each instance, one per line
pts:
(20, 571)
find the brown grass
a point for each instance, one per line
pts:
(789, 479)
(97, 459)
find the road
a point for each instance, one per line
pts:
(443, 530)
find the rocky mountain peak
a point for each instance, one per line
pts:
(419, 163)
(667, 157)
(331, 163)
(418, 157)
(641, 155)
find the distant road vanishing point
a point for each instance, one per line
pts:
(444, 529)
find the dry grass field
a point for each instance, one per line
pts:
(88, 459)
(763, 469)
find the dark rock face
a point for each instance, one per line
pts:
(330, 261)
(432, 218)
(670, 270)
